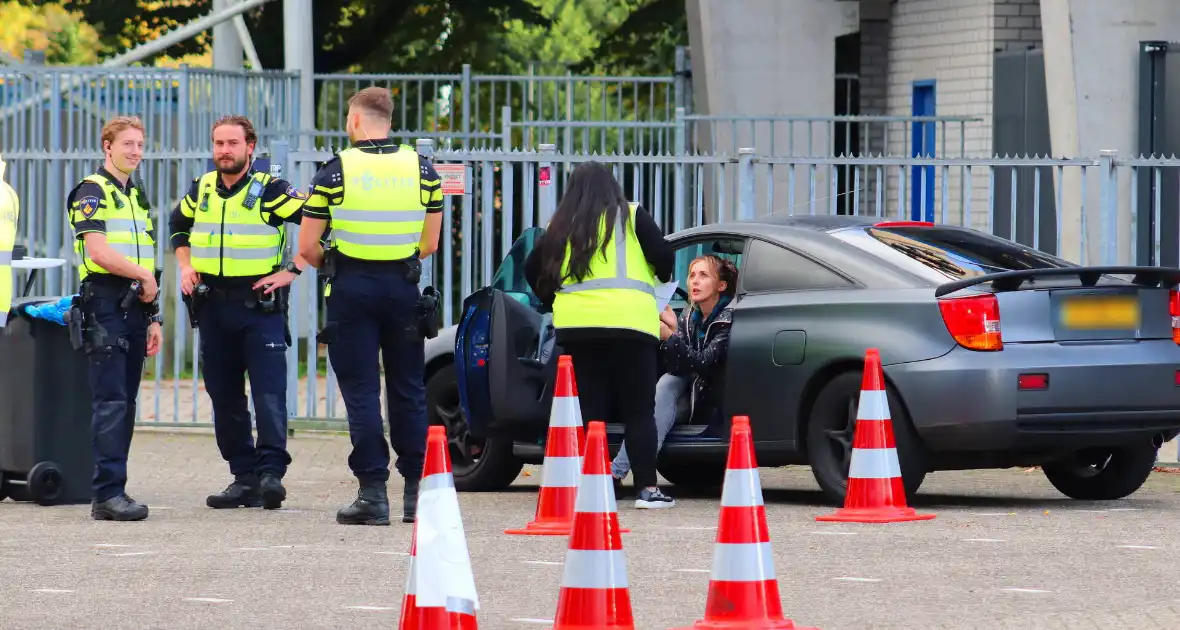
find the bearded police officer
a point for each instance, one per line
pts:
(118, 310)
(229, 234)
(385, 203)
(9, 210)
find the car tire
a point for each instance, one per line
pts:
(477, 464)
(830, 415)
(1102, 475)
(696, 475)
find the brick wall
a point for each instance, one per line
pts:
(951, 42)
(1018, 24)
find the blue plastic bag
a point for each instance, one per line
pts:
(51, 311)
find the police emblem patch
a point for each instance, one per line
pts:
(294, 192)
(88, 206)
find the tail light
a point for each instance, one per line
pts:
(974, 321)
(1174, 310)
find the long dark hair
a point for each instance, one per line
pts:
(590, 193)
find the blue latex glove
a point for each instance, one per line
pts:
(51, 311)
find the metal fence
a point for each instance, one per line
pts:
(1091, 219)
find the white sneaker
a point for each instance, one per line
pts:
(653, 500)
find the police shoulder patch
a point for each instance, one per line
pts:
(294, 192)
(88, 206)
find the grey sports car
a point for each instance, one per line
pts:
(995, 355)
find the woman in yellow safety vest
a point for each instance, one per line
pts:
(597, 265)
(9, 210)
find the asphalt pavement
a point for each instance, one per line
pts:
(1005, 551)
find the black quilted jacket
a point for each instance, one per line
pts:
(701, 354)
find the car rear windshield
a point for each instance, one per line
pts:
(942, 253)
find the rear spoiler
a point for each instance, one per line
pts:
(1012, 280)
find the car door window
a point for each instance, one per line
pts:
(771, 267)
(509, 276)
(730, 249)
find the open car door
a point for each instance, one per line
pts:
(504, 352)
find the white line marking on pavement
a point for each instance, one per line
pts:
(692, 570)
(1123, 510)
(394, 553)
(983, 540)
(110, 545)
(857, 579)
(52, 590)
(1137, 547)
(371, 607)
(208, 600)
(834, 533)
(1024, 590)
(1091, 511)
(528, 620)
(129, 553)
(545, 562)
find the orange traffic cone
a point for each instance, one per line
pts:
(563, 462)
(876, 492)
(594, 590)
(455, 589)
(743, 588)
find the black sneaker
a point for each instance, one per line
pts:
(653, 500)
(118, 508)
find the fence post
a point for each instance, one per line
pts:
(468, 95)
(506, 127)
(547, 192)
(679, 183)
(425, 148)
(1109, 182)
(745, 178)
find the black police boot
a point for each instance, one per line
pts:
(370, 508)
(118, 508)
(273, 492)
(410, 501)
(243, 492)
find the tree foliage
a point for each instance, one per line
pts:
(60, 34)
(645, 43)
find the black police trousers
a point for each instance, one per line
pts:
(238, 338)
(115, 370)
(369, 312)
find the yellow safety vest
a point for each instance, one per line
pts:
(127, 229)
(382, 213)
(9, 211)
(617, 292)
(229, 236)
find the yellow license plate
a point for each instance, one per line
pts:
(1101, 313)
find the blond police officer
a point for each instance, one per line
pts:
(115, 245)
(385, 206)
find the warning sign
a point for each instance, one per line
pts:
(453, 178)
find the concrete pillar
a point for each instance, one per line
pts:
(1091, 74)
(766, 58)
(299, 56)
(227, 48)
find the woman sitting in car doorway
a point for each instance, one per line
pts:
(694, 347)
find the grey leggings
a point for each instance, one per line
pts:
(669, 389)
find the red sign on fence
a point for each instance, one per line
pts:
(453, 178)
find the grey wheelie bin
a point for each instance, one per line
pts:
(45, 431)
